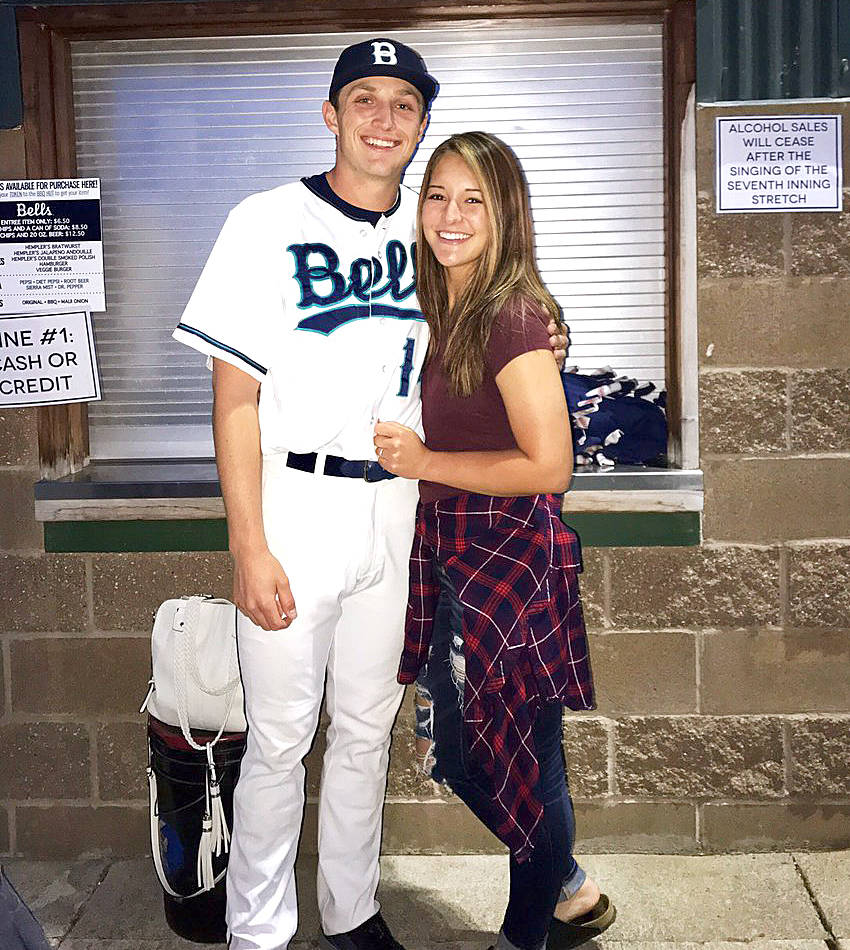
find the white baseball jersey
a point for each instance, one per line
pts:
(303, 293)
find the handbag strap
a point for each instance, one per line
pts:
(185, 653)
(153, 797)
(188, 630)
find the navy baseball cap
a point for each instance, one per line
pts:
(383, 57)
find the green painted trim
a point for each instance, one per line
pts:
(596, 529)
(204, 534)
(614, 529)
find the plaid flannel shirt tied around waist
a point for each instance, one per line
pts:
(514, 566)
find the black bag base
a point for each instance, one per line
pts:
(181, 781)
(199, 919)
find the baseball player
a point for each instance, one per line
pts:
(307, 309)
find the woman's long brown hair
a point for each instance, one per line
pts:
(506, 274)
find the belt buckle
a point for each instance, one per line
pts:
(380, 473)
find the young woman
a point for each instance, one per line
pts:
(494, 636)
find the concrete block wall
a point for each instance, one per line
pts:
(723, 670)
(774, 352)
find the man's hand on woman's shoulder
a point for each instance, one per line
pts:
(560, 342)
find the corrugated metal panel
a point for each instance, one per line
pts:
(180, 130)
(11, 107)
(772, 49)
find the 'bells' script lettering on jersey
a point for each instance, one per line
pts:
(324, 285)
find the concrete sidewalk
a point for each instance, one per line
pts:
(665, 902)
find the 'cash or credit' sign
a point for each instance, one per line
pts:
(778, 163)
(47, 358)
(51, 255)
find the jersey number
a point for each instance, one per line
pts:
(406, 367)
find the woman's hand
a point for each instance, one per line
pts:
(400, 450)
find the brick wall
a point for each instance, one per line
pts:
(723, 670)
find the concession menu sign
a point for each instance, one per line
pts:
(51, 255)
(778, 163)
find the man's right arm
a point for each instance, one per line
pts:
(260, 585)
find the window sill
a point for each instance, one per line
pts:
(635, 488)
(176, 505)
(129, 491)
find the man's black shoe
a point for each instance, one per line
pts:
(372, 934)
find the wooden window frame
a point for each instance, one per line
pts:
(45, 35)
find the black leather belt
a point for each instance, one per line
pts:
(334, 465)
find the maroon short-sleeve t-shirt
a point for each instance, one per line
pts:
(478, 422)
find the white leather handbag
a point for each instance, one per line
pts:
(196, 685)
(195, 682)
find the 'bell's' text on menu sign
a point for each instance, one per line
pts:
(779, 163)
(51, 255)
(47, 358)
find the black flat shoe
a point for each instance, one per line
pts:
(372, 934)
(564, 935)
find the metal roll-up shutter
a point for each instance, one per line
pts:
(180, 130)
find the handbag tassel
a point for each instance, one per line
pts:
(215, 836)
(220, 832)
(205, 868)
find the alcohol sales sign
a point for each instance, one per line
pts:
(778, 163)
(48, 358)
(51, 255)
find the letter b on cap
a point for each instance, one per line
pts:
(383, 54)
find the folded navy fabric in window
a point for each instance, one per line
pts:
(614, 419)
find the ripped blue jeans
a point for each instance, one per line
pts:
(551, 873)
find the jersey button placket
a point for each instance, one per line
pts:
(364, 233)
(380, 241)
(373, 251)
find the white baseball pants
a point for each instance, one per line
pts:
(344, 543)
